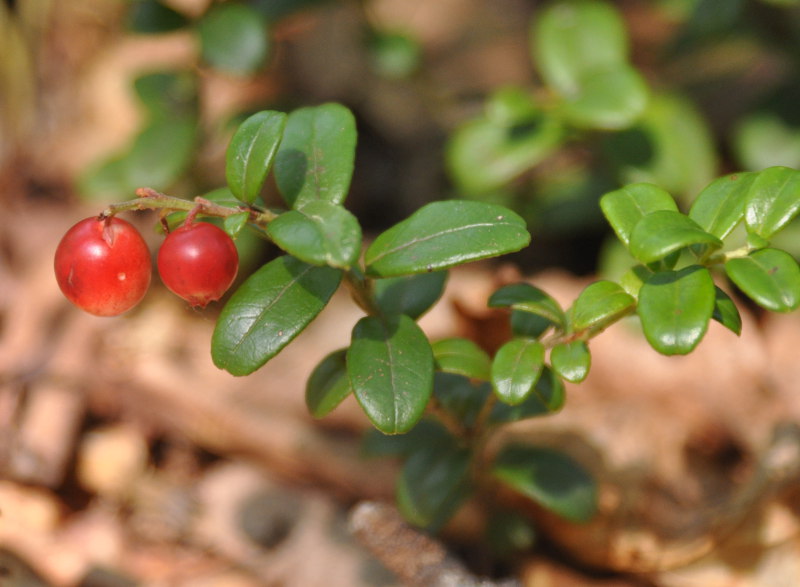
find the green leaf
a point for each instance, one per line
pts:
(720, 206)
(233, 38)
(319, 233)
(675, 307)
(765, 138)
(390, 364)
(161, 153)
(609, 99)
(770, 277)
(516, 368)
(443, 234)
(571, 360)
(570, 38)
(268, 310)
(316, 156)
(774, 201)
(463, 357)
(599, 305)
(460, 397)
(528, 298)
(426, 433)
(661, 233)
(726, 312)
(412, 295)
(433, 484)
(251, 152)
(625, 207)
(394, 55)
(151, 17)
(234, 223)
(550, 478)
(168, 94)
(548, 397)
(328, 384)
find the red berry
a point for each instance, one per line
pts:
(103, 266)
(198, 262)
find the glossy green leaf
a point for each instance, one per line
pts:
(528, 325)
(234, 223)
(675, 308)
(390, 364)
(609, 99)
(412, 295)
(720, 206)
(463, 357)
(433, 484)
(233, 38)
(161, 153)
(600, 304)
(548, 397)
(443, 234)
(726, 312)
(550, 478)
(528, 298)
(328, 384)
(318, 233)
(571, 360)
(251, 152)
(316, 156)
(625, 207)
(516, 368)
(569, 38)
(773, 202)
(770, 277)
(459, 396)
(664, 232)
(268, 310)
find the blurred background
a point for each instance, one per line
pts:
(126, 458)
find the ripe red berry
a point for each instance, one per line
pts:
(103, 266)
(198, 262)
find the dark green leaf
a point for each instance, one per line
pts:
(319, 233)
(528, 298)
(251, 152)
(151, 17)
(460, 397)
(720, 206)
(770, 277)
(548, 397)
(315, 159)
(426, 433)
(268, 310)
(161, 152)
(726, 312)
(433, 484)
(234, 223)
(625, 207)
(390, 364)
(609, 99)
(516, 368)
(528, 325)
(462, 356)
(443, 234)
(328, 384)
(661, 233)
(233, 38)
(774, 200)
(599, 305)
(550, 478)
(571, 360)
(412, 295)
(168, 94)
(675, 307)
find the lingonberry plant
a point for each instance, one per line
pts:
(436, 404)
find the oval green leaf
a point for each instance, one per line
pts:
(675, 308)
(770, 277)
(625, 207)
(607, 99)
(460, 396)
(661, 233)
(773, 202)
(328, 384)
(548, 397)
(161, 153)
(462, 357)
(443, 234)
(726, 312)
(412, 295)
(316, 156)
(390, 364)
(318, 233)
(234, 223)
(251, 152)
(550, 478)
(571, 360)
(268, 310)
(599, 305)
(720, 206)
(516, 368)
(529, 298)
(233, 38)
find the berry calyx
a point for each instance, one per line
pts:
(198, 262)
(103, 266)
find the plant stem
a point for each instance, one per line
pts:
(361, 291)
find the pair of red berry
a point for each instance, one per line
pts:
(103, 265)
